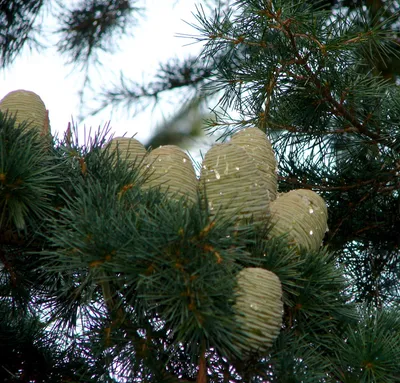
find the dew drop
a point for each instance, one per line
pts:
(208, 180)
(220, 193)
(226, 171)
(217, 175)
(204, 167)
(311, 232)
(184, 160)
(159, 159)
(237, 168)
(311, 210)
(254, 306)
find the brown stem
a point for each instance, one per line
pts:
(202, 375)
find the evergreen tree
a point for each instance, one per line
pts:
(120, 265)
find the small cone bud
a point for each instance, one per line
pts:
(259, 308)
(258, 147)
(171, 169)
(27, 106)
(232, 184)
(303, 215)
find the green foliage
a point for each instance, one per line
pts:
(27, 177)
(309, 79)
(370, 350)
(144, 285)
(105, 281)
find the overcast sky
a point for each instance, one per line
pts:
(153, 41)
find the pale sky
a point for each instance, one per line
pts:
(153, 41)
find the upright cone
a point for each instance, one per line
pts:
(233, 185)
(27, 106)
(259, 149)
(259, 308)
(303, 215)
(129, 149)
(171, 169)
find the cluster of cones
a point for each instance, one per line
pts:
(238, 179)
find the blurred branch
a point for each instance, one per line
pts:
(17, 19)
(172, 75)
(92, 26)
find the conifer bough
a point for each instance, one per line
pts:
(238, 179)
(27, 107)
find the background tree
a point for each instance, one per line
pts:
(143, 286)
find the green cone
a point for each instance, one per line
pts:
(233, 184)
(129, 149)
(171, 169)
(259, 308)
(257, 146)
(27, 106)
(302, 214)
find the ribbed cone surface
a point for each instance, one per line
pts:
(129, 149)
(232, 184)
(258, 147)
(27, 106)
(259, 308)
(303, 215)
(171, 169)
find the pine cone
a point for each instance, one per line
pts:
(27, 106)
(259, 149)
(302, 214)
(129, 149)
(259, 308)
(171, 169)
(233, 184)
